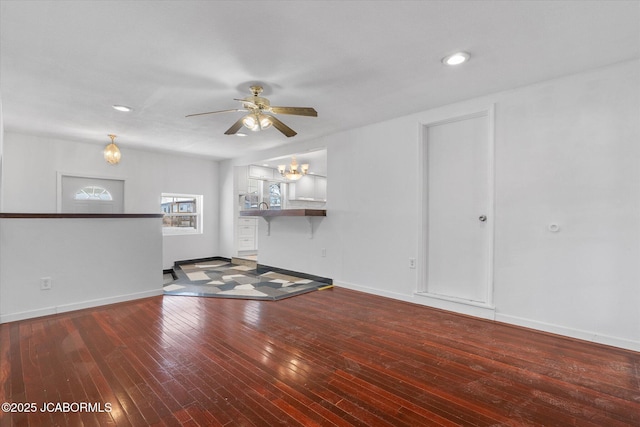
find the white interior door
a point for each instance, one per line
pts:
(458, 185)
(91, 195)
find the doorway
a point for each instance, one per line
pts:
(458, 208)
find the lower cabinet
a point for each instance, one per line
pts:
(247, 236)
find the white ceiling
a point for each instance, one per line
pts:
(65, 63)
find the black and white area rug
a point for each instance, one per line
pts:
(221, 279)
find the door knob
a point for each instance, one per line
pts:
(483, 218)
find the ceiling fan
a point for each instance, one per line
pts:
(258, 117)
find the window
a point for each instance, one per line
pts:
(93, 192)
(182, 214)
(85, 194)
(275, 198)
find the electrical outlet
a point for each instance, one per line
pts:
(323, 252)
(45, 283)
(412, 263)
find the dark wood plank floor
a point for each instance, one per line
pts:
(332, 357)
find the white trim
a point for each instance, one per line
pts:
(471, 308)
(170, 231)
(456, 300)
(423, 217)
(47, 311)
(569, 332)
(60, 174)
(457, 305)
(491, 210)
(375, 291)
(421, 288)
(468, 308)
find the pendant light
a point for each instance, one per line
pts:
(112, 152)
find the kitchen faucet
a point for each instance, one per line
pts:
(263, 203)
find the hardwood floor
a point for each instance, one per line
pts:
(332, 357)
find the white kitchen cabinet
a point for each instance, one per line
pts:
(241, 179)
(252, 185)
(247, 234)
(248, 178)
(309, 187)
(303, 189)
(261, 172)
(320, 189)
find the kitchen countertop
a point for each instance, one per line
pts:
(284, 212)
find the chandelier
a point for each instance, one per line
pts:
(293, 174)
(112, 152)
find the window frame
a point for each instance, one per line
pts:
(92, 197)
(181, 209)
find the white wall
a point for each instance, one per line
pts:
(1, 180)
(31, 164)
(566, 151)
(1, 152)
(91, 262)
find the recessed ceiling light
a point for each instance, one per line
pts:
(456, 59)
(122, 108)
(241, 134)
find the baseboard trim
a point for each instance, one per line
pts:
(197, 260)
(48, 311)
(480, 311)
(569, 332)
(374, 291)
(458, 305)
(170, 271)
(261, 268)
(491, 315)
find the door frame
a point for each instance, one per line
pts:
(423, 214)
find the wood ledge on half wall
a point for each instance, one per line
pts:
(76, 215)
(284, 212)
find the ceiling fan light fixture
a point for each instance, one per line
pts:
(256, 119)
(250, 122)
(265, 121)
(257, 122)
(456, 58)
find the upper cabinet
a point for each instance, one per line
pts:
(309, 187)
(320, 190)
(247, 178)
(263, 173)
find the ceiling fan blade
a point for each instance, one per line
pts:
(282, 127)
(298, 111)
(235, 127)
(216, 112)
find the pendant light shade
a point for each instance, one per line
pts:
(112, 152)
(293, 174)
